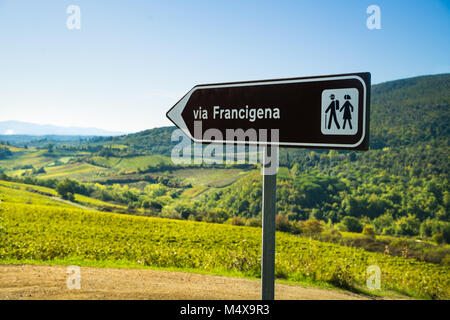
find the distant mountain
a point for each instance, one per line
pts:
(32, 129)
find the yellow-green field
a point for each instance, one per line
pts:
(132, 163)
(26, 158)
(30, 194)
(74, 170)
(17, 193)
(207, 177)
(37, 158)
(44, 230)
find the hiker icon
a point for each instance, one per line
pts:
(346, 107)
(340, 111)
(334, 105)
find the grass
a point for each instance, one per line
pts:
(106, 162)
(206, 177)
(28, 187)
(18, 192)
(15, 194)
(32, 157)
(142, 162)
(73, 170)
(28, 157)
(132, 163)
(193, 192)
(91, 202)
(355, 235)
(13, 148)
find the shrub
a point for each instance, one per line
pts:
(312, 226)
(331, 235)
(254, 222)
(352, 224)
(185, 209)
(438, 238)
(170, 212)
(446, 260)
(282, 223)
(236, 221)
(70, 196)
(296, 227)
(388, 231)
(215, 216)
(38, 171)
(383, 222)
(407, 226)
(369, 231)
(446, 233)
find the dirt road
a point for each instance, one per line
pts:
(72, 203)
(49, 282)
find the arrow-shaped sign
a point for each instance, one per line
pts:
(314, 112)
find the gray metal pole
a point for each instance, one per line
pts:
(268, 229)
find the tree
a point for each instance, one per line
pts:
(5, 152)
(66, 189)
(312, 226)
(407, 226)
(185, 209)
(38, 171)
(383, 222)
(352, 224)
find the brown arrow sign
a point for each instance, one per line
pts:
(314, 112)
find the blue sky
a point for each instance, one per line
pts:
(132, 60)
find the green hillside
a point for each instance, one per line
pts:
(410, 111)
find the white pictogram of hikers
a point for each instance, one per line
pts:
(347, 107)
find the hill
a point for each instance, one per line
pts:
(410, 111)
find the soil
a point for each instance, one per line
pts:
(50, 282)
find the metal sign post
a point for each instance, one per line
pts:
(268, 228)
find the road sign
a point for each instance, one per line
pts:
(314, 112)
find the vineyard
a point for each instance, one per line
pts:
(44, 231)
